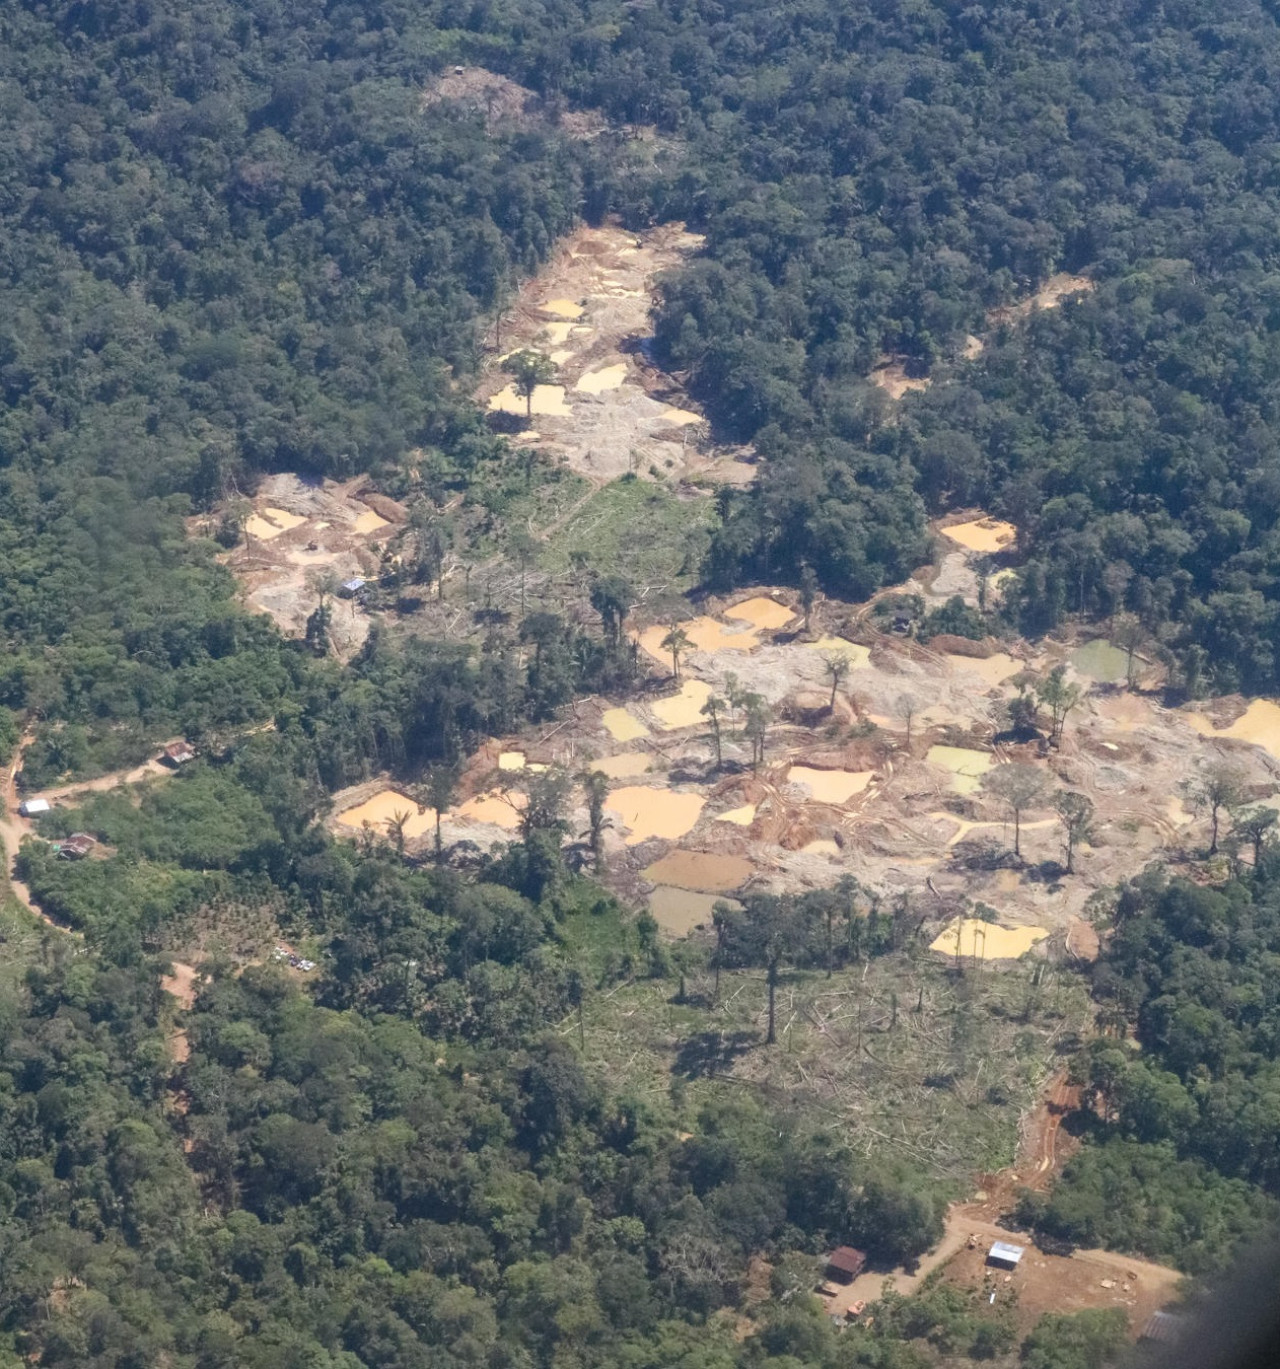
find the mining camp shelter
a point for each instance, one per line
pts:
(179, 753)
(844, 1264)
(77, 846)
(1005, 1256)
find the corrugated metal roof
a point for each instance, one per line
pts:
(1002, 1250)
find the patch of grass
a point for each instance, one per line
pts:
(943, 1085)
(637, 529)
(502, 499)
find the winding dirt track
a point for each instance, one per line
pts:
(14, 827)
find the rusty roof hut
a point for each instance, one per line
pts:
(844, 1264)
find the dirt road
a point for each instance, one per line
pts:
(14, 827)
(1043, 1282)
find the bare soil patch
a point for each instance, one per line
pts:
(1049, 296)
(611, 410)
(504, 103)
(300, 532)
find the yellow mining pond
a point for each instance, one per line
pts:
(859, 656)
(647, 812)
(368, 521)
(982, 534)
(830, 786)
(824, 846)
(624, 767)
(511, 760)
(700, 870)
(706, 634)
(384, 806)
(683, 709)
(966, 765)
(761, 612)
(559, 332)
(502, 810)
(596, 382)
(740, 817)
(548, 400)
(679, 417)
(993, 670)
(271, 523)
(986, 940)
(679, 911)
(563, 308)
(1259, 724)
(621, 726)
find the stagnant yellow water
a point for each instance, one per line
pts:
(562, 308)
(859, 656)
(823, 846)
(597, 382)
(993, 670)
(740, 817)
(683, 709)
(647, 812)
(548, 401)
(511, 760)
(679, 911)
(966, 765)
(761, 612)
(1259, 724)
(982, 534)
(271, 522)
(701, 870)
(502, 810)
(704, 634)
(559, 332)
(368, 521)
(384, 806)
(621, 726)
(629, 764)
(830, 786)
(986, 940)
(679, 417)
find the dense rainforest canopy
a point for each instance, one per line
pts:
(235, 239)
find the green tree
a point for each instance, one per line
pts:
(1214, 790)
(440, 792)
(677, 643)
(1254, 825)
(1019, 786)
(711, 710)
(1076, 1340)
(808, 592)
(1075, 813)
(528, 369)
(595, 787)
(1060, 698)
(836, 667)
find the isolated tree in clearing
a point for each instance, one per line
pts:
(528, 369)
(677, 643)
(1019, 785)
(836, 667)
(712, 710)
(1075, 812)
(1215, 788)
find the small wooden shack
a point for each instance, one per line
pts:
(844, 1264)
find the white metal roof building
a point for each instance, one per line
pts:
(1005, 1255)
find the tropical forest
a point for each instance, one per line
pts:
(639, 674)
